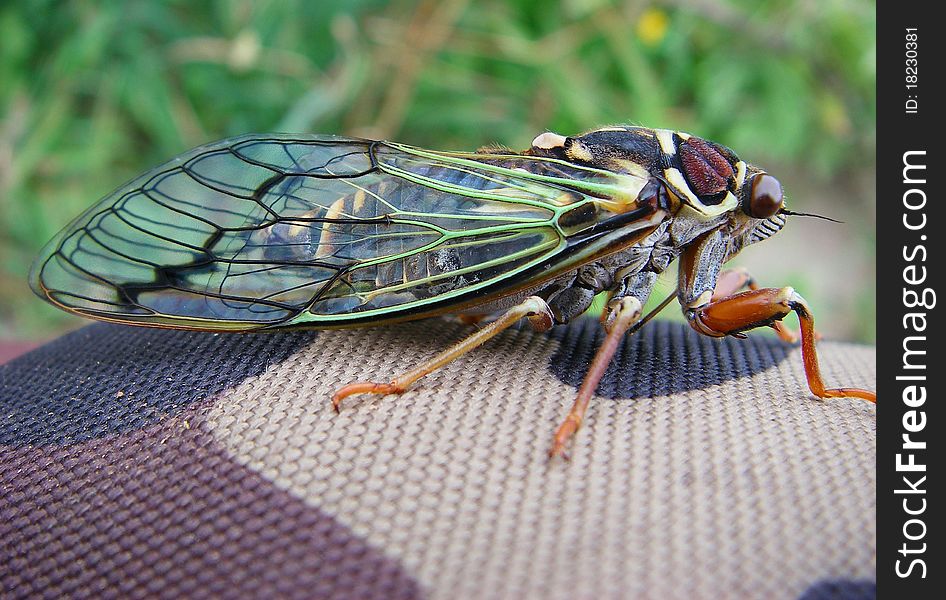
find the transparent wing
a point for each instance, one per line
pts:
(262, 231)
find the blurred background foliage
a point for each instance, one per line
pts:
(95, 92)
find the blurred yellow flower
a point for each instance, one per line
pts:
(652, 26)
(834, 116)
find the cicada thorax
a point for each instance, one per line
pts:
(704, 175)
(680, 169)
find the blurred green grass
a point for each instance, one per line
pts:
(93, 93)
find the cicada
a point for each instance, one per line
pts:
(267, 232)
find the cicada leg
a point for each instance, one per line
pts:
(606, 311)
(623, 313)
(764, 306)
(533, 308)
(734, 280)
(471, 319)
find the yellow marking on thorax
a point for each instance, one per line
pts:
(624, 129)
(740, 173)
(665, 137)
(676, 179)
(577, 151)
(548, 140)
(635, 169)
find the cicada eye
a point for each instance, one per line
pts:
(765, 197)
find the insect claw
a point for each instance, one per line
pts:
(558, 449)
(565, 432)
(337, 402)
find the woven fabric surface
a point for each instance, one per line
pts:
(152, 463)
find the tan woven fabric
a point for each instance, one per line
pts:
(748, 489)
(148, 463)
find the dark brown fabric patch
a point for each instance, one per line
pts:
(106, 379)
(162, 512)
(663, 358)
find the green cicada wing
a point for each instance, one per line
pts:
(265, 231)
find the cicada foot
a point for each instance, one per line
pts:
(533, 308)
(365, 387)
(763, 307)
(623, 313)
(563, 434)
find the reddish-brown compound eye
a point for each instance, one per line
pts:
(765, 197)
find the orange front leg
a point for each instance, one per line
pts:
(764, 307)
(734, 280)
